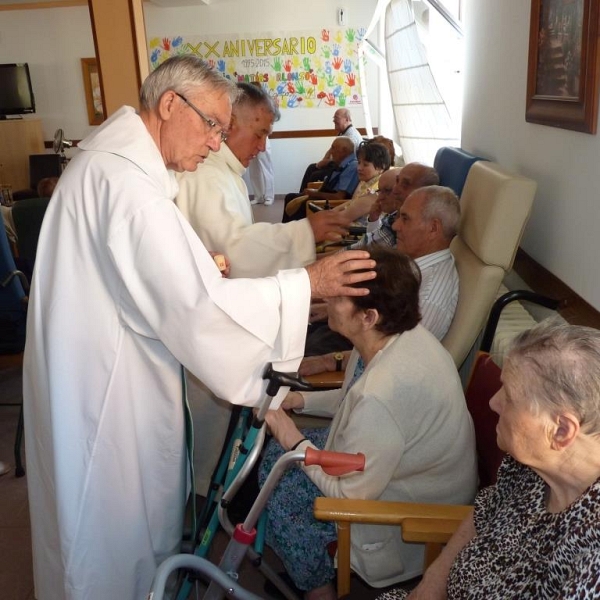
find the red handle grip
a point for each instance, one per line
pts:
(335, 463)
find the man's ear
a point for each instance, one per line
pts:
(435, 227)
(167, 104)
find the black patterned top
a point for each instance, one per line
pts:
(521, 550)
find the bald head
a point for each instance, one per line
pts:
(413, 176)
(385, 191)
(341, 147)
(342, 119)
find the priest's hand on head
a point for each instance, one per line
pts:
(332, 275)
(328, 225)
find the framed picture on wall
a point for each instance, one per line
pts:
(562, 78)
(93, 95)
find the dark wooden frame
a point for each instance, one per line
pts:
(579, 112)
(89, 66)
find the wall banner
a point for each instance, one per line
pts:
(300, 70)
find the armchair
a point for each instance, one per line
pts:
(452, 166)
(495, 206)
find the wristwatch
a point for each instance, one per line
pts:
(339, 358)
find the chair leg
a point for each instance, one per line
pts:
(343, 566)
(19, 470)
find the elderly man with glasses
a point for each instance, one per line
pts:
(395, 186)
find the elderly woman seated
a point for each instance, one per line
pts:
(402, 405)
(536, 533)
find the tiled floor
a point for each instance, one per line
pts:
(16, 578)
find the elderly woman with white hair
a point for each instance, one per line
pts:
(536, 533)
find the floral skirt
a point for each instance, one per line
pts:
(293, 533)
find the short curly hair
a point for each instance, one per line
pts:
(394, 292)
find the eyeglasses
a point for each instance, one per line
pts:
(385, 190)
(211, 124)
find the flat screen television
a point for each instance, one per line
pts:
(16, 93)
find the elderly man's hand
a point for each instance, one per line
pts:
(283, 428)
(328, 225)
(360, 206)
(332, 275)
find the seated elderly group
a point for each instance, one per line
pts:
(422, 227)
(401, 402)
(356, 175)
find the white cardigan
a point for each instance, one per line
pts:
(408, 415)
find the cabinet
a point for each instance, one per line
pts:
(18, 139)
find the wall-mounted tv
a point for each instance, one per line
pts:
(16, 93)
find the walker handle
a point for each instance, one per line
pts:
(278, 379)
(335, 463)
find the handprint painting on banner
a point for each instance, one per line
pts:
(301, 70)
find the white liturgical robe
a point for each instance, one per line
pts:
(214, 199)
(124, 292)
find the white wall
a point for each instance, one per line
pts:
(562, 234)
(52, 41)
(290, 156)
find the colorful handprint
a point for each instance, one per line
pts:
(330, 100)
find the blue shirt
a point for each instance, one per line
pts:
(345, 177)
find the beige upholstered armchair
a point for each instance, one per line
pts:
(495, 206)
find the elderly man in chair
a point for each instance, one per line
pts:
(339, 185)
(426, 224)
(395, 186)
(342, 122)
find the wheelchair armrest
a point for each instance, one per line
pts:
(502, 302)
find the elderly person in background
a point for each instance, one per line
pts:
(342, 123)
(123, 295)
(402, 405)
(536, 532)
(383, 212)
(214, 199)
(373, 160)
(339, 185)
(426, 224)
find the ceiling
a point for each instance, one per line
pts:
(36, 3)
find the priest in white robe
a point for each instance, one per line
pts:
(123, 294)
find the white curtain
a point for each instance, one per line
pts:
(423, 121)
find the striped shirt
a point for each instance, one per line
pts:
(384, 235)
(438, 295)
